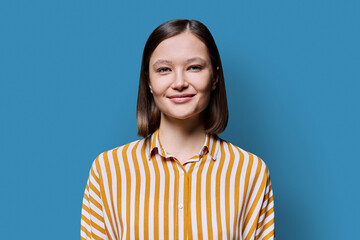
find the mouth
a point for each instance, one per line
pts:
(181, 98)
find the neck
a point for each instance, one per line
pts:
(182, 138)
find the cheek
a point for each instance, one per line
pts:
(206, 97)
(204, 86)
(205, 91)
(158, 89)
(155, 86)
(159, 85)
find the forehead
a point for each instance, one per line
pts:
(180, 47)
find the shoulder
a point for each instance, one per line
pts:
(250, 162)
(108, 158)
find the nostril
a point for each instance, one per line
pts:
(180, 83)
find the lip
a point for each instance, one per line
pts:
(181, 98)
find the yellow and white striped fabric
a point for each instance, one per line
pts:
(138, 191)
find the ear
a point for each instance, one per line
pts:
(150, 88)
(215, 80)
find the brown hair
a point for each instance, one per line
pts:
(216, 113)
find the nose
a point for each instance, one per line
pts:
(180, 81)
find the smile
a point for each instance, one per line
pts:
(181, 98)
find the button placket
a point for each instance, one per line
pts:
(180, 203)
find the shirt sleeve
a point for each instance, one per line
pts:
(92, 219)
(266, 225)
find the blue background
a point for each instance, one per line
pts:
(69, 76)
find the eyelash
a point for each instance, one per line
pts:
(161, 70)
(165, 69)
(198, 67)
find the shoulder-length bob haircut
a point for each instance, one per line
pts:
(216, 113)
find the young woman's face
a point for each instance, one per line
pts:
(181, 76)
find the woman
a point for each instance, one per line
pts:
(180, 181)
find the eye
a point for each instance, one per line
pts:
(195, 68)
(163, 70)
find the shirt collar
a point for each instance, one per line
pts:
(211, 146)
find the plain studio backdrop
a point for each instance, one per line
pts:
(69, 75)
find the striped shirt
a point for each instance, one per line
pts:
(139, 191)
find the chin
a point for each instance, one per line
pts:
(184, 116)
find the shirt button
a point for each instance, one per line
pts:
(180, 206)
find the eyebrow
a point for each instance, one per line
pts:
(195, 59)
(163, 61)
